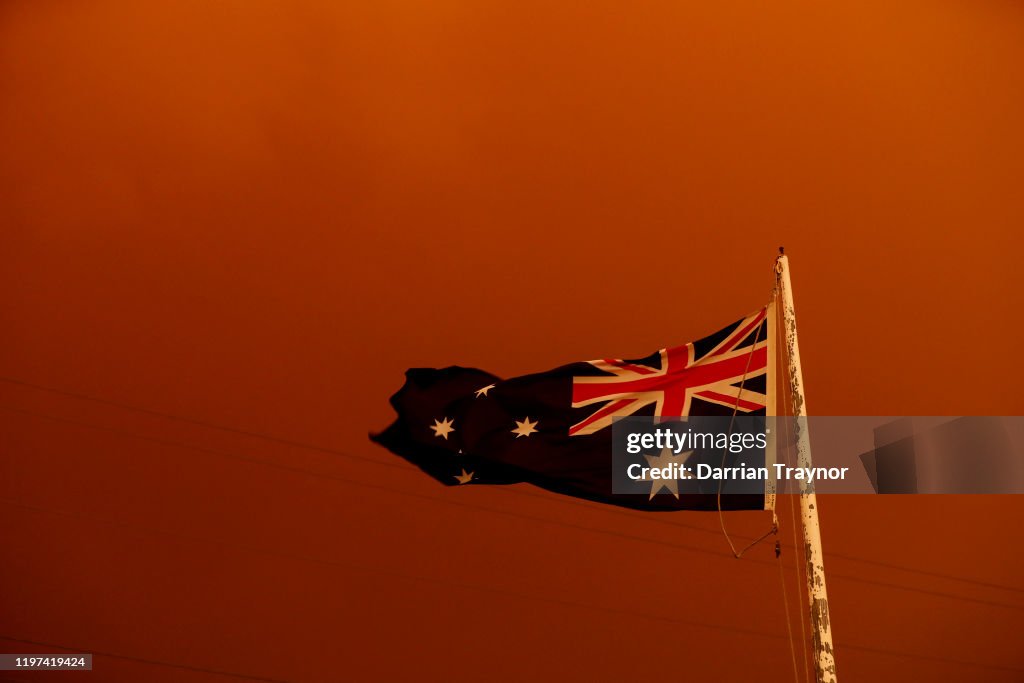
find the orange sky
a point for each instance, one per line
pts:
(257, 215)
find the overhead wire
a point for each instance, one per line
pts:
(142, 660)
(500, 591)
(401, 464)
(505, 512)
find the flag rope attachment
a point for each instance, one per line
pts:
(774, 530)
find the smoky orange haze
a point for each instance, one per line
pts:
(256, 215)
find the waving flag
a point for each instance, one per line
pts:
(553, 429)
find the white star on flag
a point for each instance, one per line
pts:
(662, 460)
(524, 428)
(443, 428)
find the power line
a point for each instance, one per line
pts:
(929, 658)
(473, 586)
(504, 512)
(378, 569)
(924, 572)
(379, 487)
(202, 423)
(143, 660)
(401, 464)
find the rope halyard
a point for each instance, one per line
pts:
(785, 603)
(774, 530)
(798, 575)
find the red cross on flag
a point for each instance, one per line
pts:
(724, 373)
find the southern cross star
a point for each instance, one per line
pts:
(524, 428)
(667, 459)
(443, 428)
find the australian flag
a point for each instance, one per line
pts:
(553, 429)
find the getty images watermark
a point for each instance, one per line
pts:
(675, 440)
(749, 454)
(708, 454)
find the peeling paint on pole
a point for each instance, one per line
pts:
(821, 627)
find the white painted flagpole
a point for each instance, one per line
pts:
(821, 628)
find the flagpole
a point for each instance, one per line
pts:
(821, 628)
